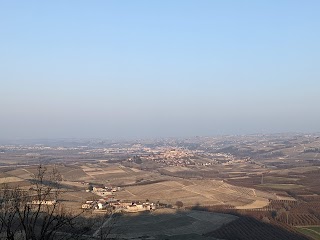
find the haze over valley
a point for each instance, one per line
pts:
(160, 120)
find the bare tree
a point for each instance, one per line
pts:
(34, 214)
(179, 204)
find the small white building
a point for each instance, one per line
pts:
(100, 205)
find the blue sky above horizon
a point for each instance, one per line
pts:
(115, 69)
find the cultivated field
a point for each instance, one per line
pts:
(10, 180)
(197, 192)
(163, 224)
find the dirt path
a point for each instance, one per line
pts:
(130, 193)
(96, 233)
(27, 171)
(254, 192)
(255, 204)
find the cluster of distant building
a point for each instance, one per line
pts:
(169, 157)
(114, 204)
(183, 157)
(109, 202)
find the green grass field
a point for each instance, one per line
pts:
(279, 186)
(315, 228)
(310, 231)
(273, 179)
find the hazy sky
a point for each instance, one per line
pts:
(158, 68)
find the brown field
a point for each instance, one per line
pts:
(177, 169)
(21, 173)
(168, 190)
(197, 192)
(10, 180)
(73, 199)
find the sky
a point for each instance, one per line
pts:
(137, 69)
